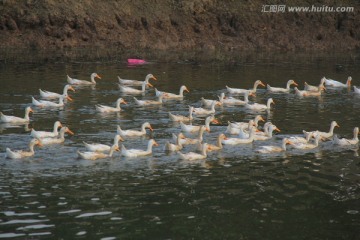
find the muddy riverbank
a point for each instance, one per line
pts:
(88, 29)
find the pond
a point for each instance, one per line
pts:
(235, 193)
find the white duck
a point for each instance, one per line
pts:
(136, 82)
(98, 155)
(98, 147)
(298, 139)
(231, 101)
(186, 141)
(131, 90)
(254, 122)
(356, 90)
(137, 152)
(74, 81)
(274, 149)
(328, 135)
(44, 103)
(212, 147)
(193, 128)
(269, 133)
(337, 84)
(168, 95)
(59, 139)
(300, 93)
(282, 90)
(149, 102)
(180, 118)
(260, 107)
(314, 88)
(208, 102)
(12, 119)
(308, 145)
(314, 93)
(236, 130)
(53, 95)
(347, 142)
(106, 109)
(236, 141)
(170, 147)
(130, 132)
(203, 112)
(43, 134)
(242, 91)
(191, 156)
(20, 153)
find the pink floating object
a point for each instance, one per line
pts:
(135, 61)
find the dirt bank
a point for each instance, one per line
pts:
(114, 27)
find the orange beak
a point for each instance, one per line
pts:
(262, 84)
(31, 111)
(295, 84)
(207, 129)
(252, 94)
(151, 129)
(278, 130)
(69, 132)
(187, 90)
(154, 78)
(98, 76)
(150, 85)
(72, 89)
(39, 143)
(215, 121)
(261, 119)
(155, 143)
(69, 98)
(123, 101)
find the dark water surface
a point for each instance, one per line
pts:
(233, 194)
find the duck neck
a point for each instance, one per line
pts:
(143, 87)
(331, 131)
(190, 114)
(65, 91)
(356, 134)
(207, 122)
(143, 128)
(61, 100)
(268, 104)
(256, 84)
(26, 117)
(31, 147)
(118, 104)
(283, 145)
(270, 132)
(246, 98)
(181, 92)
(204, 150)
(201, 133)
(149, 147)
(92, 79)
(61, 134)
(288, 85)
(55, 130)
(219, 142)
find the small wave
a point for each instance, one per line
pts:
(93, 214)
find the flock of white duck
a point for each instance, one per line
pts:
(236, 133)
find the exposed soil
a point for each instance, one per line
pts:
(137, 26)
